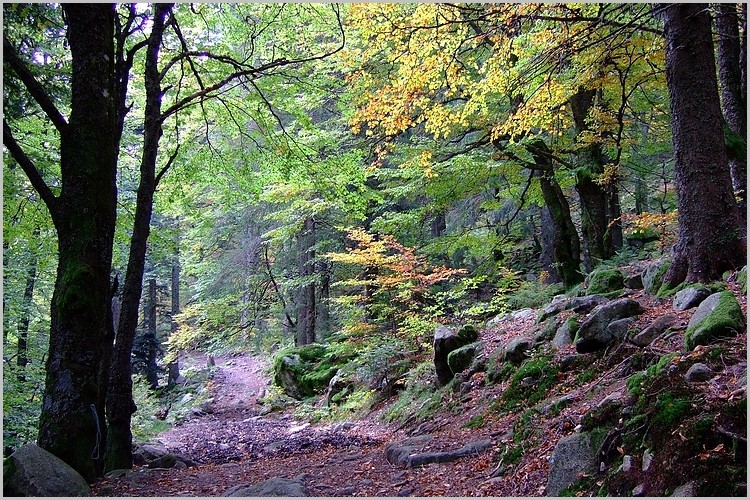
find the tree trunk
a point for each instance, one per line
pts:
(26, 306)
(151, 344)
(173, 368)
(120, 405)
(324, 303)
(547, 239)
(598, 203)
(306, 303)
(71, 422)
(6, 323)
(733, 102)
(562, 238)
(710, 240)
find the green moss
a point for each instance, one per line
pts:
(604, 281)
(658, 278)
(542, 374)
(474, 422)
(586, 376)
(725, 320)
(668, 411)
(742, 279)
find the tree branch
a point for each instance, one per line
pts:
(31, 171)
(35, 88)
(166, 167)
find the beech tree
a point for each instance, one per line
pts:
(710, 240)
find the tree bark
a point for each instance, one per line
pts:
(71, 422)
(151, 344)
(600, 205)
(306, 303)
(562, 235)
(173, 368)
(26, 306)
(120, 405)
(733, 104)
(710, 240)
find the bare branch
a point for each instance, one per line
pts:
(35, 88)
(31, 171)
(166, 167)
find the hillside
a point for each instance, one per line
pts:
(653, 424)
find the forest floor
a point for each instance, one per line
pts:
(237, 444)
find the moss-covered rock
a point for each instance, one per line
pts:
(653, 276)
(305, 371)
(461, 358)
(719, 316)
(604, 282)
(742, 279)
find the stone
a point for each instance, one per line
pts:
(653, 275)
(274, 487)
(446, 340)
(639, 490)
(559, 304)
(33, 472)
(618, 329)
(152, 450)
(398, 453)
(582, 305)
(718, 316)
(564, 335)
(515, 350)
(627, 463)
(338, 387)
(573, 455)
(654, 330)
(604, 281)
(462, 358)
(594, 333)
(685, 490)
(647, 459)
(171, 460)
(699, 372)
(690, 297)
(544, 331)
(634, 281)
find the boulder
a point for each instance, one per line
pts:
(33, 472)
(565, 334)
(634, 281)
(171, 461)
(582, 305)
(338, 388)
(618, 329)
(472, 448)
(515, 350)
(654, 330)
(445, 341)
(594, 333)
(690, 297)
(462, 358)
(544, 331)
(559, 304)
(305, 370)
(287, 375)
(274, 487)
(653, 275)
(719, 316)
(604, 281)
(574, 455)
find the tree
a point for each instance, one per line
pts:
(710, 239)
(83, 213)
(732, 67)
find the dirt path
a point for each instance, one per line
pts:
(235, 445)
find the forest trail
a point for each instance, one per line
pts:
(235, 445)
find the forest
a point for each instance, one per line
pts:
(365, 226)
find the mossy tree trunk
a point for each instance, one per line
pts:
(562, 237)
(711, 238)
(71, 424)
(600, 203)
